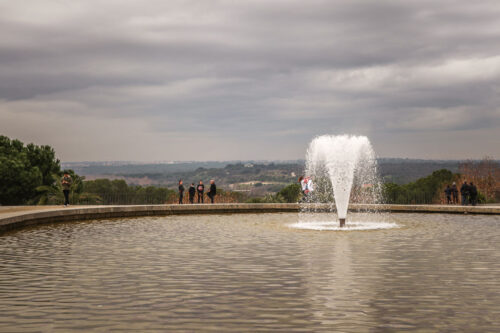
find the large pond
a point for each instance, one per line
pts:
(252, 273)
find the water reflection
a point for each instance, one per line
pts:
(252, 272)
(329, 279)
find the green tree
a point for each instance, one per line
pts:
(291, 193)
(23, 169)
(423, 191)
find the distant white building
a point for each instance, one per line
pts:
(248, 165)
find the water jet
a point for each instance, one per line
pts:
(344, 170)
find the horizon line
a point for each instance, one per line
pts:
(261, 160)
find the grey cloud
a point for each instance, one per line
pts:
(249, 79)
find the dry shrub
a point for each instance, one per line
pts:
(485, 174)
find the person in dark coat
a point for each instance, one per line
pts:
(454, 193)
(66, 183)
(181, 192)
(464, 192)
(200, 190)
(192, 191)
(213, 191)
(473, 193)
(447, 192)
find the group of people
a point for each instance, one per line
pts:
(468, 192)
(199, 189)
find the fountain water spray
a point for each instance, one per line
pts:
(339, 163)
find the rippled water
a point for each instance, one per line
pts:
(252, 273)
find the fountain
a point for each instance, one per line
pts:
(343, 168)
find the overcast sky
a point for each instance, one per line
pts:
(225, 80)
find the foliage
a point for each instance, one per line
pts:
(288, 194)
(269, 198)
(291, 193)
(423, 191)
(118, 192)
(53, 194)
(23, 169)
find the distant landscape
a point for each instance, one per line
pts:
(31, 174)
(253, 177)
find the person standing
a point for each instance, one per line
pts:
(181, 192)
(447, 192)
(200, 190)
(464, 192)
(306, 186)
(454, 193)
(213, 191)
(192, 191)
(66, 183)
(473, 193)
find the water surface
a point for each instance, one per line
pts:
(432, 273)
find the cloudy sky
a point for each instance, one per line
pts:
(225, 80)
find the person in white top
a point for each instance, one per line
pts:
(307, 186)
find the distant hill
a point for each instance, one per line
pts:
(115, 168)
(266, 175)
(402, 171)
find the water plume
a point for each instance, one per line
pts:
(344, 170)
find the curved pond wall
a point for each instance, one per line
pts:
(17, 217)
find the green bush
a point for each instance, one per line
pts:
(269, 198)
(423, 191)
(291, 193)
